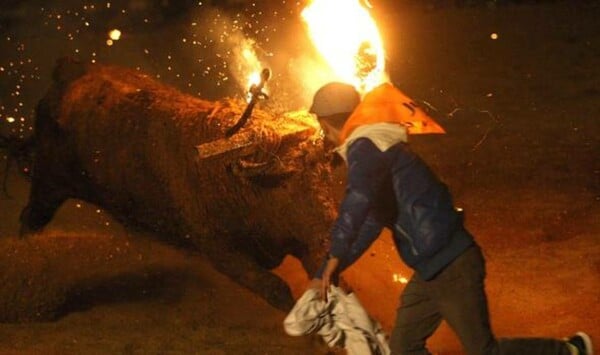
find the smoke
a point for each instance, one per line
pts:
(225, 52)
(269, 37)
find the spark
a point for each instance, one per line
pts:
(115, 34)
(399, 278)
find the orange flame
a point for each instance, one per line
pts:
(250, 66)
(347, 38)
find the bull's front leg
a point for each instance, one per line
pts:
(243, 269)
(45, 198)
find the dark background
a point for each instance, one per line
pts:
(522, 114)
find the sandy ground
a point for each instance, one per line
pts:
(523, 118)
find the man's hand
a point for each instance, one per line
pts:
(330, 268)
(315, 283)
(322, 284)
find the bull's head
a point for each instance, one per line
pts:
(269, 152)
(286, 162)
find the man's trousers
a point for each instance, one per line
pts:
(457, 296)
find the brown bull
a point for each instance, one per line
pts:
(122, 141)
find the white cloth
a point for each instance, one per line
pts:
(383, 135)
(342, 321)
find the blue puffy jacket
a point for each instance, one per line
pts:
(396, 189)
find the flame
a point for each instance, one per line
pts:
(347, 38)
(247, 67)
(253, 79)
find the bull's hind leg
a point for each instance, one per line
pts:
(243, 269)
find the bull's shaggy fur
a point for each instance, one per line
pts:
(119, 139)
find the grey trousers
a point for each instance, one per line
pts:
(457, 296)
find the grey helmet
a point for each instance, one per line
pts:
(335, 98)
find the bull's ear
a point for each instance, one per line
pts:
(269, 173)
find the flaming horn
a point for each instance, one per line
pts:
(241, 141)
(292, 127)
(256, 94)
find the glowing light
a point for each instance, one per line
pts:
(347, 38)
(115, 34)
(494, 36)
(399, 278)
(10, 119)
(246, 66)
(109, 42)
(254, 79)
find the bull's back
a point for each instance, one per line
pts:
(133, 140)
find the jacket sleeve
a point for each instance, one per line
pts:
(366, 169)
(369, 231)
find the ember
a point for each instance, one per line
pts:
(399, 278)
(115, 35)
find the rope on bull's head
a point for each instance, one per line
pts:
(270, 142)
(265, 156)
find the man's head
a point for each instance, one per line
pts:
(333, 103)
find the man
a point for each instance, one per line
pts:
(388, 185)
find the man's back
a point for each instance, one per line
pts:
(427, 229)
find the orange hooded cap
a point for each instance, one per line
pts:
(386, 103)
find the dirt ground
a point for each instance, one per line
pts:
(521, 157)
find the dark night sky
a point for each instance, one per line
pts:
(192, 45)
